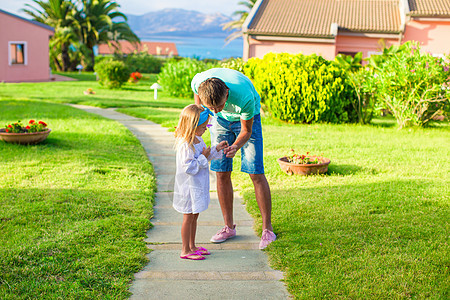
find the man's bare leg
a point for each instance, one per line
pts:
(225, 193)
(264, 199)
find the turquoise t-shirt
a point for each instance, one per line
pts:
(243, 100)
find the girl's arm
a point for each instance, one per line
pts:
(216, 151)
(189, 164)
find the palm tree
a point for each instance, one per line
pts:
(100, 22)
(237, 24)
(58, 14)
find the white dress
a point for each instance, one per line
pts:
(191, 190)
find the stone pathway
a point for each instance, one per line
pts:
(236, 269)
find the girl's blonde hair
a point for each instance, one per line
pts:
(185, 131)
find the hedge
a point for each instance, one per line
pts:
(303, 89)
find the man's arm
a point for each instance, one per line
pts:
(197, 99)
(242, 138)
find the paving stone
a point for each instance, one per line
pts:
(167, 138)
(213, 213)
(162, 160)
(160, 169)
(219, 260)
(164, 199)
(220, 246)
(162, 289)
(165, 182)
(171, 234)
(210, 275)
(160, 149)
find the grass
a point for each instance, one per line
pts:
(75, 208)
(375, 226)
(132, 95)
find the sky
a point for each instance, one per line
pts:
(140, 7)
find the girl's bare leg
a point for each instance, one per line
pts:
(186, 233)
(192, 246)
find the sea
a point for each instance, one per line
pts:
(203, 47)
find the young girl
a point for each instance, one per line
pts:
(191, 191)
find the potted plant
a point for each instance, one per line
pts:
(33, 133)
(89, 91)
(303, 164)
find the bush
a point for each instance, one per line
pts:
(299, 88)
(413, 86)
(176, 76)
(212, 61)
(361, 80)
(100, 58)
(234, 63)
(144, 63)
(112, 73)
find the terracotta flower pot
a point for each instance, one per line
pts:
(28, 138)
(304, 169)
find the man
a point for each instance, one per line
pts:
(236, 104)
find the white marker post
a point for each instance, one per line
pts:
(79, 68)
(155, 87)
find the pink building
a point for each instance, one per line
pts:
(159, 49)
(330, 27)
(24, 53)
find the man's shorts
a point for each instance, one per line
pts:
(251, 153)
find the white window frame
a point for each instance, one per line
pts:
(370, 53)
(25, 53)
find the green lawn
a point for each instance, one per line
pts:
(74, 209)
(132, 95)
(375, 226)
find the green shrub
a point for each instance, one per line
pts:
(112, 73)
(299, 88)
(144, 63)
(413, 86)
(234, 63)
(361, 80)
(176, 76)
(212, 61)
(100, 58)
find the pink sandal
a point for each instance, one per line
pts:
(203, 251)
(190, 256)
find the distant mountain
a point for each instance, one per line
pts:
(178, 22)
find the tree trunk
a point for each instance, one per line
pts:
(57, 64)
(65, 57)
(92, 56)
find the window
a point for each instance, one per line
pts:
(17, 53)
(370, 53)
(439, 55)
(352, 54)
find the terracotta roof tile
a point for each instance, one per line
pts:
(313, 18)
(153, 48)
(429, 8)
